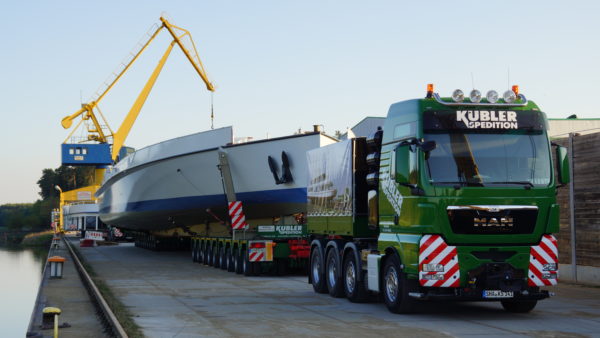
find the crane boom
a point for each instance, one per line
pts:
(118, 137)
(121, 134)
(197, 64)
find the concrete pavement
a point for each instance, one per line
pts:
(173, 297)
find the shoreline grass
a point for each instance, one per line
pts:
(43, 238)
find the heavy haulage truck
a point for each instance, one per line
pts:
(454, 198)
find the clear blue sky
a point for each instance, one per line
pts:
(278, 65)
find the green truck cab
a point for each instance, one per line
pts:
(453, 198)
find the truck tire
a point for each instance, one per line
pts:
(247, 269)
(230, 260)
(518, 306)
(200, 253)
(206, 253)
(355, 290)
(194, 252)
(224, 264)
(211, 254)
(395, 288)
(238, 265)
(333, 278)
(217, 257)
(316, 271)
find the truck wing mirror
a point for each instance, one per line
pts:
(562, 160)
(428, 146)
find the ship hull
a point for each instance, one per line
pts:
(185, 189)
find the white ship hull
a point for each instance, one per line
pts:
(178, 182)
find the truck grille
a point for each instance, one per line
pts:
(492, 219)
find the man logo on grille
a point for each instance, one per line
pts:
(493, 222)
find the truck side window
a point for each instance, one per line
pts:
(405, 130)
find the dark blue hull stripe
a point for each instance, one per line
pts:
(296, 195)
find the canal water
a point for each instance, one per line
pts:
(20, 277)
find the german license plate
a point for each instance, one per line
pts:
(497, 294)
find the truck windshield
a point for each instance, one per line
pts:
(489, 159)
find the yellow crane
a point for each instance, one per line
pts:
(101, 153)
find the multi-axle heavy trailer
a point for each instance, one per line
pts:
(275, 248)
(453, 199)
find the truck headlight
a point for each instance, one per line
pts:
(492, 96)
(475, 95)
(509, 96)
(458, 95)
(433, 268)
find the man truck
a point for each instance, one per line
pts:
(454, 198)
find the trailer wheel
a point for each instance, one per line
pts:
(217, 256)
(237, 257)
(316, 271)
(224, 262)
(518, 306)
(333, 274)
(355, 290)
(206, 253)
(395, 288)
(211, 254)
(247, 267)
(200, 252)
(194, 253)
(230, 260)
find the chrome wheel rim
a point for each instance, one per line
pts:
(331, 271)
(316, 268)
(350, 277)
(391, 284)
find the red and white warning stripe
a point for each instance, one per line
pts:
(543, 262)
(256, 256)
(438, 263)
(238, 220)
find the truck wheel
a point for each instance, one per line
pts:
(332, 274)
(395, 288)
(237, 257)
(211, 255)
(230, 260)
(355, 290)
(316, 271)
(518, 306)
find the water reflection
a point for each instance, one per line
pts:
(20, 276)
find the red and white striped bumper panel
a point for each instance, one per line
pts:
(257, 256)
(543, 263)
(438, 263)
(238, 219)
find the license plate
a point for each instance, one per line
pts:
(497, 294)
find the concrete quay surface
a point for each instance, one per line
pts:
(71, 297)
(170, 296)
